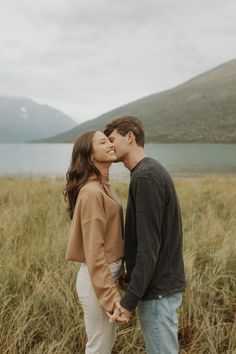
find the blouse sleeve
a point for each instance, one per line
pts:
(94, 226)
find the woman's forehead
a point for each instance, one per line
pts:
(99, 135)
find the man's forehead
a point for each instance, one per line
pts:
(113, 134)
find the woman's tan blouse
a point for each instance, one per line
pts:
(96, 237)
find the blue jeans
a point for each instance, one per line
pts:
(159, 323)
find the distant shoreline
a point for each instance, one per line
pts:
(124, 178)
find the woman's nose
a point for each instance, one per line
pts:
(110, 144)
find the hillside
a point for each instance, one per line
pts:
(201, 110)
(22, 119)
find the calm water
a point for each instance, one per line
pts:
(53, 159)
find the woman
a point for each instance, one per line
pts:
(96, 236)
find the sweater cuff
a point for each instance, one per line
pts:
(129, 301)
(108, 304)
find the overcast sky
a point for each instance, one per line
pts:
(88, 57)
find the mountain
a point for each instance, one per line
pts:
(202, 110)
(22, 119)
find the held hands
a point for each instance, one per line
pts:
(119, 315)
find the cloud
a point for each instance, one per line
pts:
(87, 57)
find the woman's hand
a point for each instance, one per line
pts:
(119, 315)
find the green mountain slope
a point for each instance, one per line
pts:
(201, 110)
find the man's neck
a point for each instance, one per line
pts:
(133, 158)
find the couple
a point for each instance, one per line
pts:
(152, 237)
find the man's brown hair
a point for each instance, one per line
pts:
(126, 124)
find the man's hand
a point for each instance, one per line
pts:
(120, 314)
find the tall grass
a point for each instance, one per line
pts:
(39, 309)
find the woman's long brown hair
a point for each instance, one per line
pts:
(80, 169)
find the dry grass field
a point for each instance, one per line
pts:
(39, 310)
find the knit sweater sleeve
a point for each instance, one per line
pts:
(149, 207)
(94, 225)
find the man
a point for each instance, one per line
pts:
(153, 241)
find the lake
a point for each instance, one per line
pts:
(180, 159)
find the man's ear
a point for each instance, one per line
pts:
(130, 136)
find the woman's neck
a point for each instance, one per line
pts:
(104, 170)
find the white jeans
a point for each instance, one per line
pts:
(101, 334)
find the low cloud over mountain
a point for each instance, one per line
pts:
(22, 119)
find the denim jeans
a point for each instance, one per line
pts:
(159, 323)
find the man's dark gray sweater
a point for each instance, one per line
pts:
(153, 236)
